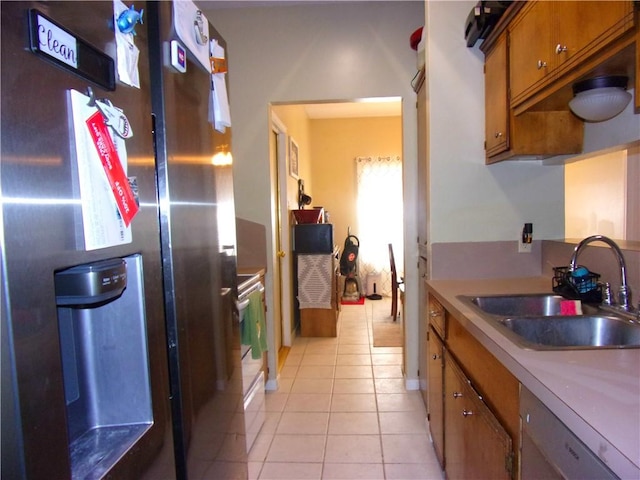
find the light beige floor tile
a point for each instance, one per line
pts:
(362, 359)
(291, 471)
(390, 385)
(310, 423)
(353, 402)
(353, 385)
(254, 470)
(293, 359)
(275, 401)
(318, 359)
(308, 402)
(353, 371)
(321, 350)
(406, 448)
(403, 422)
(346, 349)
(354, 339)
(353, 449)
(297, 448)
(404, 471)
(387, 371)
(353, 423)
(353, 471)
(260, 448)
(386, 359)
(385, 350)
(289, 371)
(271, 421)
(284, 384)
(354, 330)
(312, 385)
(400, 402)
(315, 371)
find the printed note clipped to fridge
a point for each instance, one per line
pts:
(108, 197)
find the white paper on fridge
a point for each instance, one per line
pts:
(126, 51)
(102, 223)
(193, 29)
(219, 113)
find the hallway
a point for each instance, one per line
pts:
(342, 412)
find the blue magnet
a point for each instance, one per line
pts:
(128, 19)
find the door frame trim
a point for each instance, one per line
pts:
(281, 197)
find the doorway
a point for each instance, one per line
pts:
(329, 136)
(282, 304)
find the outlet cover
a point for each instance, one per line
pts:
(524, 247)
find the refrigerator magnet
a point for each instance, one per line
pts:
(178, 56)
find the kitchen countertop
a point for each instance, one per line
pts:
(595, 393)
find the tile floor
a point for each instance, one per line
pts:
(342, 411)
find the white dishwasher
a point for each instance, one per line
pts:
(549, 450)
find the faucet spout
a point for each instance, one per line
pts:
(624, 294)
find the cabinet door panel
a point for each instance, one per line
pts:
(530, 52)
(477, 446)
(496, 99)
(454, 425)
(583, 23)
(435, 393)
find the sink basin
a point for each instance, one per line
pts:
(519, 305)
(572, 332)
(534, 321)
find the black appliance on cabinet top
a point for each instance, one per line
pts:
(482, 18)
(313, 238)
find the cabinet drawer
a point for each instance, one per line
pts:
(437, 317)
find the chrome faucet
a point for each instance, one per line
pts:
(624, 294)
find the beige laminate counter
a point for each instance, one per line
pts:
(595, 393)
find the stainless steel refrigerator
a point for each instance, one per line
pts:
(119, 358)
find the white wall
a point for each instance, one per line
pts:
(469, 200)
(333, 51)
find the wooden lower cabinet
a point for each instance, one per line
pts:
(477, 446)
(473, 402)
(435, 393)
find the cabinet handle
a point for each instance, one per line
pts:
(435, 313)
(467, 413)
(541, 64)
(457, 394)
(436, 357)
(498, 134)
(560, 49)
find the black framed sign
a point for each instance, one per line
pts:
(58, 45)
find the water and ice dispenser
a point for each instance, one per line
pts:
(105, 362)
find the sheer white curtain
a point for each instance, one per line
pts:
(380, 219)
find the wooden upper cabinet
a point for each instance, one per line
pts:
(530, 134)
(531, 37)
(496, 99)
(587, 25)
(554, 39)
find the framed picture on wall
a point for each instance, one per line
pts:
(293, 158)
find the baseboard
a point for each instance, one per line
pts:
(412, 384)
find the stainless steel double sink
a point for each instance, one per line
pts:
(535, 321)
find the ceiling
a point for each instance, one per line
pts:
(367, 108)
